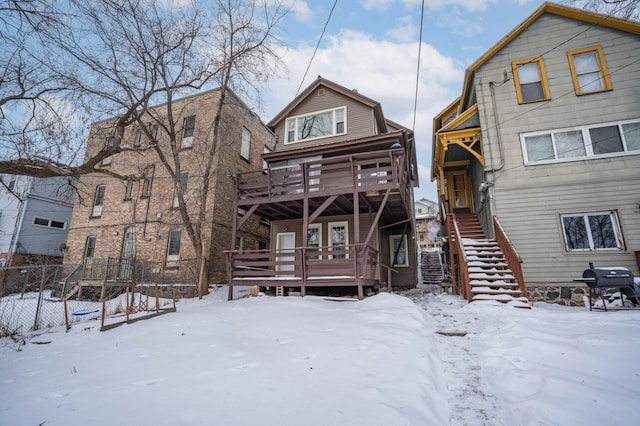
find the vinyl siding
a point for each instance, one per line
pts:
(360, 119)
(529, 199)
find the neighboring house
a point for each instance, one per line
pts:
(545, 138)
(139, 220)
(34, 219)
(338, 190)
(427, 225)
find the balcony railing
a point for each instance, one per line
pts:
(366, 171)
(354, 264)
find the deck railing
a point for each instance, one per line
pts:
(510, 253)
(328, 176)
(354, 264)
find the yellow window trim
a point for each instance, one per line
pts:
(546, 93)
(604, 72)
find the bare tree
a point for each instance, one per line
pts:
(132, 59)
(626, 9)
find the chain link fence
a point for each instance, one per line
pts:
(38, 297)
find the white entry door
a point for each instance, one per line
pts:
(285, 244)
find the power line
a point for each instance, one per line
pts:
(415, 102)
(317, 46)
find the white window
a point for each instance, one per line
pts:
(49, 223)
(245, 147)
(314, 239)
(318, 125)
(338, 238)
(531, 80)
(592, 231)
(589, 70)
(12, 183)
(187, 131)
(173, 248)
(239, 244)
(98, 200)
(398, 255)
(376, 174)
(583, 142)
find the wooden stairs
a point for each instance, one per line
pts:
(490, 277)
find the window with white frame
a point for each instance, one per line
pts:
(245, 147)
(338, 238)
(398, 255)
(187, 131)
(530, 79)
(592, 231)
(321, 124)
(98, 200)
(583, 142)
(589, 70)
(49, 223)
(314, 239)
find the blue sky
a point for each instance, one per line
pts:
(372, 46)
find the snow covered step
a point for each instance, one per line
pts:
(496, 283)
(489, 290)
(480, 242)
(489, 269)
(489, 258)
(494, 277)
(487, 263)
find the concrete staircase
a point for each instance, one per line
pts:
(489, 273)
(431, 268)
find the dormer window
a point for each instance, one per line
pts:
(321, 124)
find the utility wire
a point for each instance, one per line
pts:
(317, 46)
(415, 102)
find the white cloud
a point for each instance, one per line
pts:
(378, 5)
(404, 30)
(460, 25)
(470, 5)
(300, 9)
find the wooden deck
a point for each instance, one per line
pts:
(354, 265)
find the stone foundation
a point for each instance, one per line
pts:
(568, 296)
(169, 291)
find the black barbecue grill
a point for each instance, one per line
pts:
(599, 279)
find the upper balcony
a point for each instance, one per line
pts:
(329, 183)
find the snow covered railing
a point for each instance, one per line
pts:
(510, 253)
(462, 274)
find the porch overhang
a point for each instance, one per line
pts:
(470, 140)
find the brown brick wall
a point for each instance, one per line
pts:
(154, 216)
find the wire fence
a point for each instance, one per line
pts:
(38, 297)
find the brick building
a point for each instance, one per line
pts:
(140, 220)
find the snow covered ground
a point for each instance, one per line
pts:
(418, 359)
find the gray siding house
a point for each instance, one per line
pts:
(543, 146)
(34, 219)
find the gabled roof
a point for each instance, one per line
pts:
(555, 9)
(353, 94)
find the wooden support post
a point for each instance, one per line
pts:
(66, 315)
